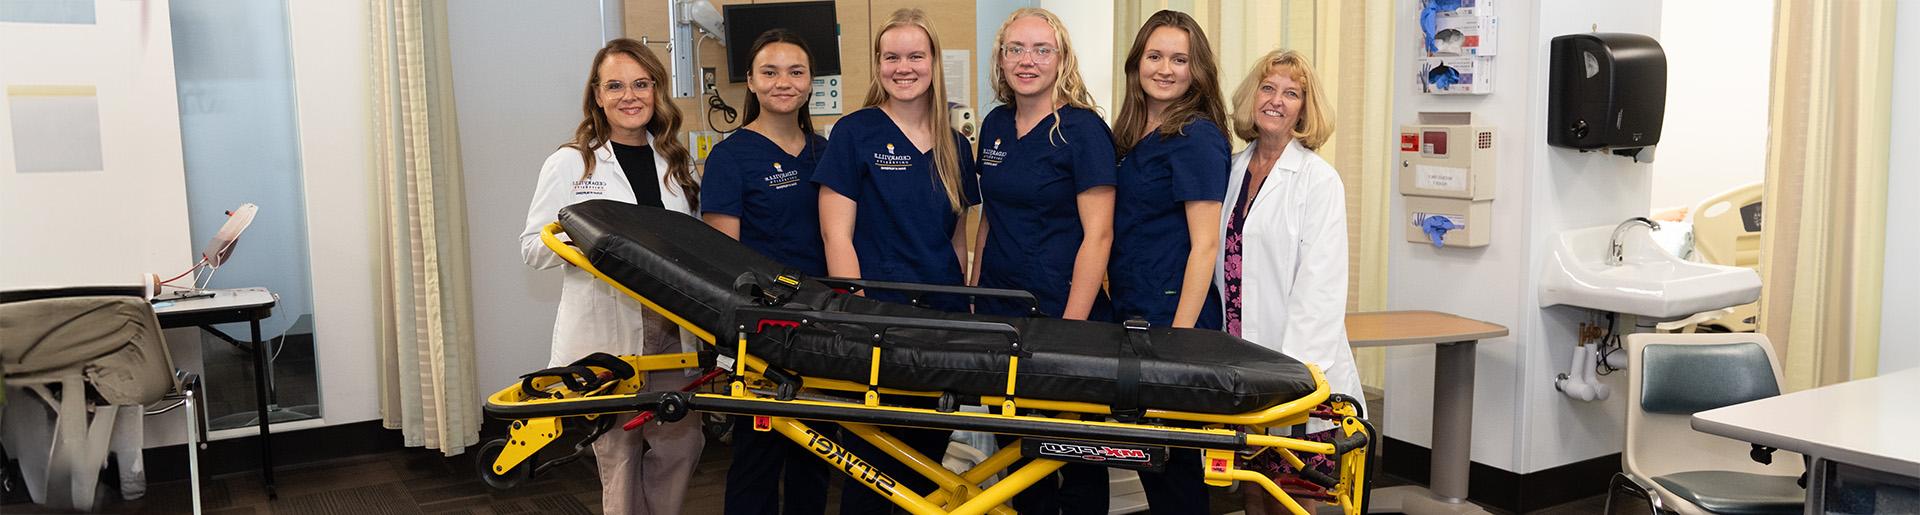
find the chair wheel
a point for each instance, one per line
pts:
(502, 480)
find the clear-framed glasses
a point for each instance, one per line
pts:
(614, 88)
(1041, 54)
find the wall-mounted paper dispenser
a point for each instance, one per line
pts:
(1607, 91)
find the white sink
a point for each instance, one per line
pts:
(1650, 282)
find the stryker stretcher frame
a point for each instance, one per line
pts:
(773, 397)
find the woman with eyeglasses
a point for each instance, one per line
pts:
(1046, 187)
(627, 149)
(756, 189)
(895, 182)
(1172, 179)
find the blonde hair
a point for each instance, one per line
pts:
(1201, 101)
(594, 130)
(1067, 84)
(1315, 125)
(946, 153)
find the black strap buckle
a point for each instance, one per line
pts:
(1136, 345)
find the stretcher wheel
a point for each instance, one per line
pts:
(484, 462)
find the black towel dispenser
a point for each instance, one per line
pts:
(1606, 91)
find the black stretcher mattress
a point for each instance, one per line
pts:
(682, 265)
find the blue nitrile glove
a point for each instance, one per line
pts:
(1436, 227)
(1444, 77)
(1429, 14)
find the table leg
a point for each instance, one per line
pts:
(1452, 420)
(260, 389)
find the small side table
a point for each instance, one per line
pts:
(228, 306)
(1455, 337)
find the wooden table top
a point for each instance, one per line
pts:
(1389, 328)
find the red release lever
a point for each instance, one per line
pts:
(647, 416)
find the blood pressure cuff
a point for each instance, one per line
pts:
(687, 268)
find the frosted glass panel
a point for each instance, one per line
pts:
(237, 122)
(47, 11)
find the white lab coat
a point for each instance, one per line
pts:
(593, 316)
(1294, 264)
(645, 471)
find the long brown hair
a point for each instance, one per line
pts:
(1067, 84)
(664, 125)
(1202, 100)
(946, 154)
(770, 37)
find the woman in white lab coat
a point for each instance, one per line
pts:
(627, 149)
(1283, 267)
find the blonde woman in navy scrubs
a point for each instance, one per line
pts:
(1166, 221)
(894, 183)
(757, 189)
(1046, 191)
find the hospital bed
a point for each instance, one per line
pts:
(800, 354)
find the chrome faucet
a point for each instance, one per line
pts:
(1615, 254)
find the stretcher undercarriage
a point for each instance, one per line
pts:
(801, 355)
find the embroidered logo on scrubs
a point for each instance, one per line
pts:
(892, 162)
(589, 187)
(782, 178)
(992, 156)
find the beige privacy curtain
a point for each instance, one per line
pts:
(1825, 211)
(427, 388)
(1351, 44)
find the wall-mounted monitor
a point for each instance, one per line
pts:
(814, 22)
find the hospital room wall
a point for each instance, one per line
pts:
(1899, 329)
(1521, 424)
(517, 71)
(1714, 137)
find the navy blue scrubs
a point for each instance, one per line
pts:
(1150, 240)
(1029, 186)
(1029, 193)
(903, 227)
(903, 231)
(750, 177)
(1150, 246)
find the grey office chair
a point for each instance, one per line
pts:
(1679, 470)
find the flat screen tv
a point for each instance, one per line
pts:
(814, 22)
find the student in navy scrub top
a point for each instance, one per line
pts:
(1046, 191)
(757, 189)
(1166, 221)
(627, 148)
(894, 185)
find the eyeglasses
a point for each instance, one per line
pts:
(1041, 54)
(614, 88)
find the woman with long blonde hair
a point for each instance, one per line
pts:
(627, 148)
(894, 183)
(1172, 178)
(1046, 187)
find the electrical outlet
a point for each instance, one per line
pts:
(709, 78)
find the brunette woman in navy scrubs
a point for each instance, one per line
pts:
(893, 189)
(1172, 179)
(757, 189)
(1046, 188)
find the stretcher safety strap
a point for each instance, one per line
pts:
(1134, 347)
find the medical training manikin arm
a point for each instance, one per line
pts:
(1316, 309)
(554, 191)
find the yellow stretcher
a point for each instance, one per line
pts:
(1052, 432)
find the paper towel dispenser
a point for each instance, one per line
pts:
(1606, 91)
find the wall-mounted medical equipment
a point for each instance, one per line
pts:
(687, 16)
(1456, 47)
(815, 22)
(1446, 175)
(1607, 91)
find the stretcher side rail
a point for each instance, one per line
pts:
(853, 285)
(875, 325)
